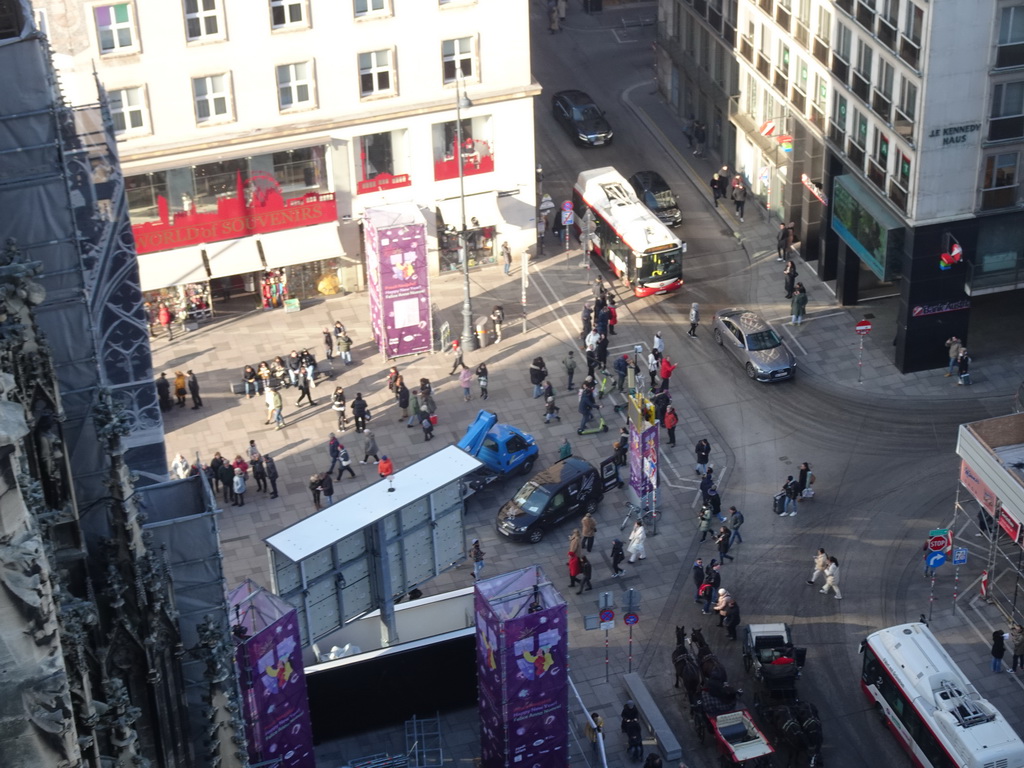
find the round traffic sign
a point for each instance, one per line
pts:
(863, 327)
(567, 205)
(935, 559)
(631, 618)
(936, 543)
(607, 614)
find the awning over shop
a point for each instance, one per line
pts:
(166, 268)
(233, 257)
(483, 207)
(301, 245)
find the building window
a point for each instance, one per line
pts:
(881, 149)
(128, 111)
(1007, 114)
(820, 92)
(457, 56)
(375, 76)
(999, 186)
(906, 111)
(843, 41)
(824, 30)
(903, 177)
(297, 171)
(115, 28)
(913, 23)
(203, 20)
(287, 13)
(1010, 49)
(864, 59)
(295, 85)
(860, 129)
(476, 153)
(368, 7)
(800, 82)
(381, 162)
(783, 64)
(212, 98)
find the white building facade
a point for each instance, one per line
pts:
(253, 134)
(889, 131)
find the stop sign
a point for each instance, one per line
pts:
(936, 543)
(863, 327)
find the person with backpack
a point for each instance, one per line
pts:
(344, 345)
(498, 317)
(722, 542)
(344, 462)
(427, 425)
(671, 421)
(709, 588)
(569, 363)
(735, 522)
(705, 522)
(697, 572)
(338, 406)
(792, 490)
(271, 466)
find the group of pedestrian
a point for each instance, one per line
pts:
(184, 384)
(722, 188)
(556, 15)
(959, 360)
(713, 597)
(827, 566)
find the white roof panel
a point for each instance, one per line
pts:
(369, 505)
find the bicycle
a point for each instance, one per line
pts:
(643, 514)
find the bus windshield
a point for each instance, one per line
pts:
(665, 265)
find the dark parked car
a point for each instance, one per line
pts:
(570, 488)
(581, 118)
(655, 193)
(754, 343)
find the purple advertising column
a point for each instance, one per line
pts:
(643, 458)
(396, 254)
(522, 671)
(269, 660)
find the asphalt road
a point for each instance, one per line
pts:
(884, 467)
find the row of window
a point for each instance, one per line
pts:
(116, 30)
(296, 86)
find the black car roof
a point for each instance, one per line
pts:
(575, 98)
(650, 180)
(562, 472)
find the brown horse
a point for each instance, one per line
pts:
(710, 667)
(686, 667)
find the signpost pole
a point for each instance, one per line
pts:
(524, 283)
(606, 661)
(863, 328)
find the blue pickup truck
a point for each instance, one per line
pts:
(503, 449)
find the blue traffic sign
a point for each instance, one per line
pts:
(607, 614)
(567, 217)
(960, 556)
(631, 619)
(935, 559)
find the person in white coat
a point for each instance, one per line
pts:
(832, 578)
(180, 467)
(659, 343)
(637, 537)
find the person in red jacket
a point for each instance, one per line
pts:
(671, 420)
(665, 372)
(385, 468)
(613, 317)
(165, 317)
(575, 567)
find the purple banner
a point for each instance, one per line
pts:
(522, 670)
(643, 459)
(397, 269)
(274, 692)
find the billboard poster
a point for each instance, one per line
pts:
(643, 458)
(977, 488)
(399, 263)
(274, 692)
(488, 677)
(372, 247)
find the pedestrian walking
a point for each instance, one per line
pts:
(328, 345)
(333, 451)
(585, 321)
(594, 726)
(498, 318)
(586, 406)
(634, 740)
(735, 523)
(238, 487)
(226, 475)
(259, 473)
(402, 396)
(427, 426)
(783, 239)
(576, 541)
(732, 618)
(588, 529)
(798, 306)
(271, 468)
(805, 478)
(327, 488)
(715, 502)
(636, 547)
(697, 573)
(671, 422)
(832, 578)
(789, 275)
(344, 345)
(314, 489)
(954, 345)
(338, 405)
(359, 412)
(617, 556)
(791, 488)
(457, 364)
(722, 543)
(553, 26)
(998, 649)
(538, 373)
(303, 385)
(481, 379)
(166, 318)
(820, 564)
(466, 382)
(621, 368)
(180, 388)
(712, 583)
(738, 193)
(551, 411)
(721, 601)
(718, 188)
(477, 555)
(575, 569)
(703, 453)
(1017, 647)
(665, 372)
(653, 366)
(700, 135)
(704, 523)
(344, 462)
(569, 364)
(586, 571)
(385, 468)
(506, 257)
(963, 367)
(277, 408)
(369, 447)
(193, 390)
(694, 320)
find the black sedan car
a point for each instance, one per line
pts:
(655, 193)
(570, 488)
(582, 119)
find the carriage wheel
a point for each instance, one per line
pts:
(748, 662)
(699, 724)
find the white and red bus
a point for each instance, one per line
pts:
(635, 244)
(931, 706)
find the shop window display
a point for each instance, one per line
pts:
(190, 304)
(477, 152)
(479, 245)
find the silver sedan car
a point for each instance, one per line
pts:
(752, 340)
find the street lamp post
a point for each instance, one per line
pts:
(468, 336)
